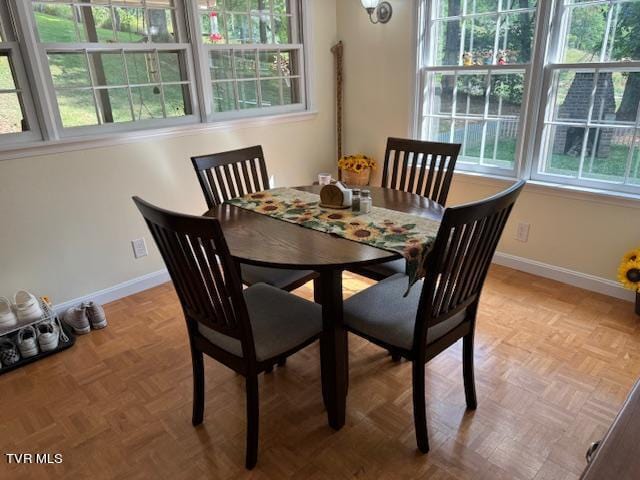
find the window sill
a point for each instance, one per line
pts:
(41, 148)
(555, 189)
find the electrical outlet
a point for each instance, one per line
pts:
(272, 181)
(522, 234)
(139, 248)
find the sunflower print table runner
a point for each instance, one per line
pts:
(403, 233)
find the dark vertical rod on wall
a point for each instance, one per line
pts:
(338, 53)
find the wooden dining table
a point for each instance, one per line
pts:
(258, 239)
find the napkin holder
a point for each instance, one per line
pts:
(335, 196)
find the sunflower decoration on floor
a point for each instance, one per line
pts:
(629, 274)
(629, 271)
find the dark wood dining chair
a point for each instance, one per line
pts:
(231, 174)
(415, 166)
(443, 309)
(248, 331)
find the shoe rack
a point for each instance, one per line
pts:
(48, 316)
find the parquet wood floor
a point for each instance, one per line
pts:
(553, 365)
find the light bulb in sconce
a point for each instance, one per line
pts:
(382, 10)
(370, 4)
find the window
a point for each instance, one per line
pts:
(557, 97)
(17, 122)
(254, 55)
(475, 78)
(114, 62)
(590, 127)
(101, 66)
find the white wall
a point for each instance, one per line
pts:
(66, 220)
(577, 232)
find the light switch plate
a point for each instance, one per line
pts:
(522, 234)
(139, 248)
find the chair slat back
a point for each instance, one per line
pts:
(202, 269)
(459, 261)
(423, 168)
(227, 175)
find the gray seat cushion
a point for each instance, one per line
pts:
(279, 320)
(383, 313)
(386, 269)
(276, 277)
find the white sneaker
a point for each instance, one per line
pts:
(27, 306)
(27, 342)
(48, 336)
(7, 317)
(96, 315)
(76, 318)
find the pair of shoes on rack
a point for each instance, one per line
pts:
(84, 317)
(8, 352)
(45, 337)
(25, 307)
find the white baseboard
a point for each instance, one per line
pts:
(119, 291)
(564, 275)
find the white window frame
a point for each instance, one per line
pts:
(550, 27)
(554, 63)
(11, 47)
(44, 82)
(427, 67)
(299, 28)
(46, 132)
(89, 48)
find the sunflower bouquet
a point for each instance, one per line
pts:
(356, 169)
(629, 274)
(356, 163)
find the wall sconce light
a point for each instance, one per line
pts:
(382, 10)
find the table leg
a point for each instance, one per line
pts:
(317, 297)
(333, 349)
